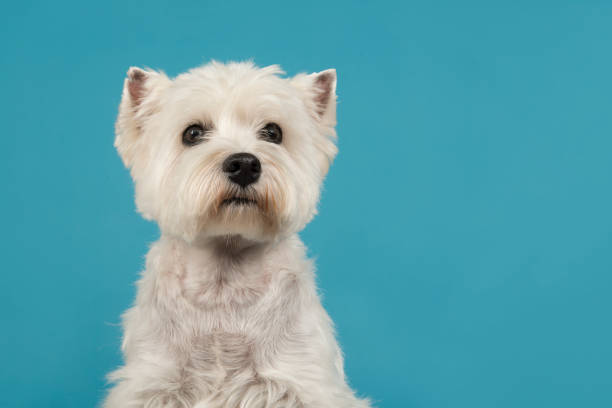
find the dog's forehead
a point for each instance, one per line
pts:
(240, 79)
(240, 89)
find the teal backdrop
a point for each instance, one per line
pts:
(464, 241)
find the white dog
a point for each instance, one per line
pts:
(228, 160)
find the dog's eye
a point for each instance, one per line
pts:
(271, 133)
(194, 134)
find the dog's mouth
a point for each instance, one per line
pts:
(238, 201)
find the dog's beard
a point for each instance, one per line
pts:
(234, 199)
(205, 204)
(250, 212)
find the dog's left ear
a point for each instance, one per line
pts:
(320, 89)
(324, 87)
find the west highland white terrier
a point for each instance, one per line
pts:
(228, 159)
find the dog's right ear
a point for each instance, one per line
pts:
(140, 99)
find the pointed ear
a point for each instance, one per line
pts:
(325, 93)
(141, 91)
(320, 89)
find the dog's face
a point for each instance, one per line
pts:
(228, 149)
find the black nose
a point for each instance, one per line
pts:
(242, 168)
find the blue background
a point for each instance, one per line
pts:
(464, 240)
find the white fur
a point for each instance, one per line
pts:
(227, 312)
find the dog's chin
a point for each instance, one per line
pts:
(241, 216)
(238, 202)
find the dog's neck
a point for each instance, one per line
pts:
(227, 259)
(222, 253)
(235, 249)
(230, 247)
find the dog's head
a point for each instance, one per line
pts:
(227, 149)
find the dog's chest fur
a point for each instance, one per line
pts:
(221, 315)
(217, 333)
